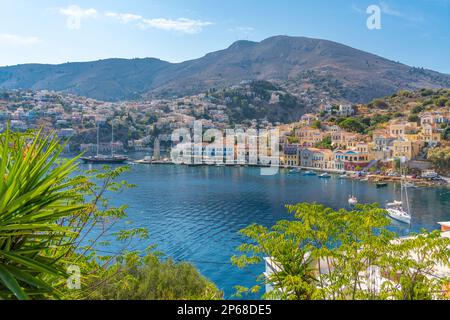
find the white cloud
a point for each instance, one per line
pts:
(17, 40)
(357, 9)
(182, 25)
(75, 14)
(387, 9)
(124, 17)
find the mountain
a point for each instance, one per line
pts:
(110, 79)
(299, 64)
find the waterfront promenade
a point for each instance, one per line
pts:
(349, 174)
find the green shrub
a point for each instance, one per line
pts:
(151, 278)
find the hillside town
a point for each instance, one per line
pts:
(336, 137)
(136, 122)
(325, 145)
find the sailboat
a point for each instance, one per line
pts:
(396, 210)
(105, 159)
(352, 199)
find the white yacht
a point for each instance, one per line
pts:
(352, 200)
(395, 211)
(398, 210)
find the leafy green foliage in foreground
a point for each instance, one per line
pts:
(57, 223)
(153, 279)
(328, 254)
(35, 200)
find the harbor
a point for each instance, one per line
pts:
(381, 180)
(195, 213)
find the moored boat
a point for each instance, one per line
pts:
(146, 160)
(395, 211)
(352, 200)
(382, 184)
(101, 159)
(398, 210)
(325, 176)
(104, 159)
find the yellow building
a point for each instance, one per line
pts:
(429, 134)
(399, 129)
(308, 119)
(342, 139)
(290, 155)
(309, 137)
(317, 158)
(407, 149)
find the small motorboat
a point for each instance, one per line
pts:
(295, 170)
(309, 173)
(409, 185)
(146, 160)
(352, 200)
(325, 176)
(382, 184)
(343, 176)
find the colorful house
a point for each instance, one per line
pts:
(407, 149)
(290, 155)
(309, 137)
(352, 159)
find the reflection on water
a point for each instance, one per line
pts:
(195, 213)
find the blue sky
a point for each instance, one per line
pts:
(415, 32)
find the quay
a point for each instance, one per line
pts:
(374, 178)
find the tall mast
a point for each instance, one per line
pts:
(406, 194)
(98, 128)
(112, 138)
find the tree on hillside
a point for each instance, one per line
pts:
(352, 124)
(326, 143)
(317, 124)
(379, 104)
(417, 109)
(293, 139)
(413, 118)
(440, 157)
(446, 133)
(441, 101)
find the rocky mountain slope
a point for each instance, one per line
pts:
(298, 64)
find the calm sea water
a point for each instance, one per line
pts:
(195, 213)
